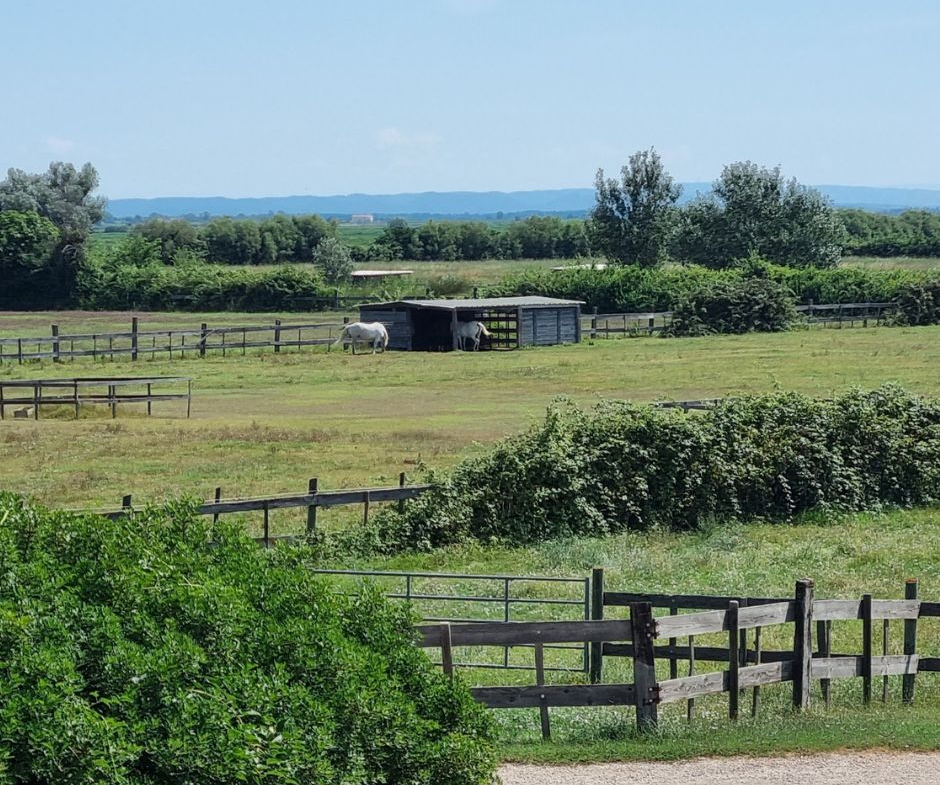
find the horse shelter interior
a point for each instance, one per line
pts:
(429, 325)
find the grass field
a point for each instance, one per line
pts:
(892, 263)
(264, 423)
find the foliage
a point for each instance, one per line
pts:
(164, 648)
(629, 289)
(919, 303)
(912, 233)
(633, 220)
(62, 195)
(151, 285)
(623, 466)
(27, 241)
(173, 236)
(334, 260)
(753, 210)
(745, 305)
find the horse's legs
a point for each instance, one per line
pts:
(353, 347)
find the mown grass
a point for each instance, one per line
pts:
(892, 262)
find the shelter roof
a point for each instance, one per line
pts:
(479, 304)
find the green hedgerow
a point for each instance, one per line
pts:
(164, 648)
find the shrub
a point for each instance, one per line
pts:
(622, 466)
(334, 260)
(734, 306)
(919, 304)
(167, 649)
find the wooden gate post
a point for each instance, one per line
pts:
(910, 641)
(597, 613)
(803, 644)
(203, 336)
(134, 338)
(55, 343)
(644, 666)
(312, 509)
(277, 336)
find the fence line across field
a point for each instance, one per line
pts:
(749, 665)
(312, 500)
(32, 394)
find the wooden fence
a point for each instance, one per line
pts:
(32, 394)
(312, 500)
(137, 343)
(612, 325)
(646, 638)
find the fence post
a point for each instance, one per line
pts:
(55, 343)
(126, 503)
(134, 338)
(734, 660)
(866, 648)
(910, 641)
(312, 509)
(803, 644)
(540, 681)
(218, 498)
(402, 479)
(597, 613)
(277, 336)
(594, 323)
(644, 666)
(447, 650)
(824, 646)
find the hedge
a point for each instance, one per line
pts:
(623, 466)
(164, 648)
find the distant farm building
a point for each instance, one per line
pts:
(595, 266)
(427, 325)
(362, 218)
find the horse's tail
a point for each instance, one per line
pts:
(385, 340)
(483, 329)
(343, 336)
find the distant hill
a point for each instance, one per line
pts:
(566, 201)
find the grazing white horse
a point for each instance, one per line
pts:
(471, 330)
(364, 332)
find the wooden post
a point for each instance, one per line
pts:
(218, 498)
(19, 350)
(690, 704)
(447, 650)
(540, 681)
(402, 479)
(112, 400)
(594, 323)
(78, 406)
(312, 509)
(37, 398)
(277, 336)
(476, 292)
(2, 404)
(134, 338)
(453, 329)
(203, 337)
(673, 661)
(365, 511)
(866, 648)
(55, 343)
(910, 641)
(755, 697)
(823, 629)
(734, 660)
(884, 651)
(803, 644)
(127, 503)
(644, 666)
(597, 613)
(267, 523)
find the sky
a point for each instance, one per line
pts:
(239, 98)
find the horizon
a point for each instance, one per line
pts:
(185, 100)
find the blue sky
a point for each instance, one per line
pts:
(281, 97)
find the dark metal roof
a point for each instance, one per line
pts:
(479, 304)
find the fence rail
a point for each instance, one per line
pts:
(32, 394)
(749, 666)
(612, 325)
(312, 500)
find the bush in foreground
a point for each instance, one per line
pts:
(734, 306)
(166, 649)
(621, 466)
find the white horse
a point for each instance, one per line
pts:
(364, 332)
(471, 330)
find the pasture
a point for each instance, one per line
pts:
(264, 423)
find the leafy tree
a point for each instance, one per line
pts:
(397, 241)
(311, 229)
(634, 219)
(752, 210)
(173, 236)
(63, 195)
(334, 260)
(27, 241)
(232, 242)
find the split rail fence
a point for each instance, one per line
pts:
(648, 639)
(314, 499)
(612, 325)
(30, 395)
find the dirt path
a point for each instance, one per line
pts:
(844, 768)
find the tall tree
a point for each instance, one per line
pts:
(634, 219)
(752, 210)
(64, 196)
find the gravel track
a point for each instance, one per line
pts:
(843, 768)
